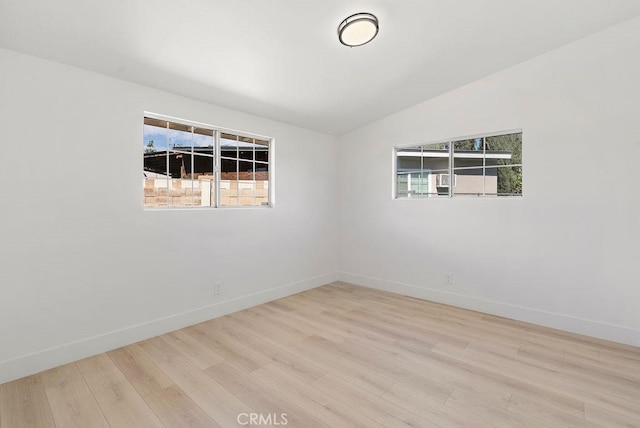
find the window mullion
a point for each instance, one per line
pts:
(238, 180)
(451, 153)
(270, 163)
(253, 168)
(168, 167)
(192, 169)
(217, 171)
(484, 166)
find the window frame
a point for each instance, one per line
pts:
(451, 168)
(217, 132)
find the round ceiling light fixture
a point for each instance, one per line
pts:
(358, 29)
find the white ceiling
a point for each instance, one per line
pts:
(281, 58)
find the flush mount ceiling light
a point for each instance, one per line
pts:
(358, 29)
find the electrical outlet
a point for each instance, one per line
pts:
(217, 288)
(448, 279)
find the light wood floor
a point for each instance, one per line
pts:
(341, 356)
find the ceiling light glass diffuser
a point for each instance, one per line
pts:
(358, 29)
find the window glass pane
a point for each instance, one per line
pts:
(154, 169)
(246, 184)
(421, 183)
(408, 164)
(203, 141)
(439, 182)
(228, 166)
(435, 156)
(418, 183)
(245, 170)
(468, 182)
(402, 187)
(262, 150)
(180, 127)
(229, 183)
(155, 135)
(417, 170)
(262, 183)
(202, 188)
(429, 156)
(504, 181)
(468, 153)
(178, 143)
(468, 145)
(504, 150)
(245, 148)
(246, 153)
(229, 145)
(412, 184)
(409, 159)
(154, 141)
(180, 138)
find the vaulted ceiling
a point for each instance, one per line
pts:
(281, 59)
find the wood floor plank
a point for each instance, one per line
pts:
(623, 384)
(262, 399)
(274, 319)
(199, 353)
(169, 403)
(597, 365)
(545, 415)
(621, 359)
(483, 327)
(369, 403)
(221, 405)
(379, 364)
(348, 369)
(24, 403)
(227, 347)
(322, 406)
(139, 370)
(537, 371)
(555, 381)
(276, 351)
(340, 321)
(294, 306)
(481, 380)
(429, 409)
(265, 326)
(312, 326)
(71, 401)
(608, 418)
(120, 403)
(176, 409)
(488, 412)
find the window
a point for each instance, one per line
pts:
(194, 165)
(483, 166)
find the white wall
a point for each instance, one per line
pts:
(567, 254)
(90, 270)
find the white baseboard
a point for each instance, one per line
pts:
(53, 357)
(597, 329)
